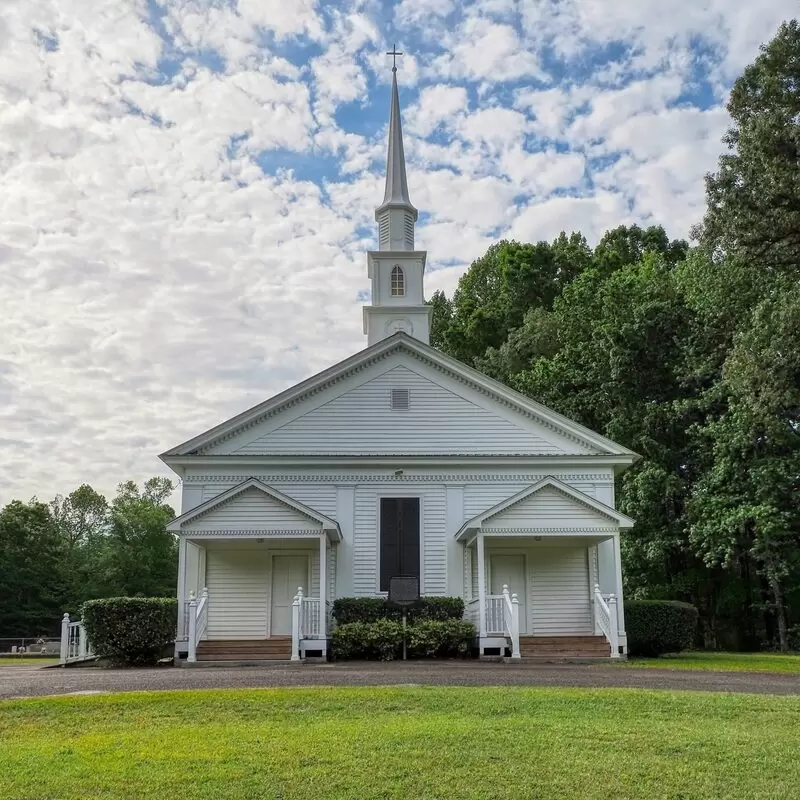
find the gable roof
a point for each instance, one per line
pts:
(477, 522)
(399, 342)
(326, 523)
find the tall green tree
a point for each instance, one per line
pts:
(754, 197)
(145, 554)
(32, 581)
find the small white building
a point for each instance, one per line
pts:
(398, 461)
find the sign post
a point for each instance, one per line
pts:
(404, 592)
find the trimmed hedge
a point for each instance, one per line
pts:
(383, 639)
(371, 609)
(131, 630)
(655, 627)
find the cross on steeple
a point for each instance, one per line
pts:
(394, 52)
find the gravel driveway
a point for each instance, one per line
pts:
(31, 682)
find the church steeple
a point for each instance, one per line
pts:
(396, 269)
(395, 215)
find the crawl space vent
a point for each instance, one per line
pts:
(400, 399)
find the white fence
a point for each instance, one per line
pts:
(75, 645)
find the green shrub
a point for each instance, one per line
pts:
(347, 610)
(371, 609)
(655, 627)
(444, 638)
(382, 640)
(131, 630)
(437, 608)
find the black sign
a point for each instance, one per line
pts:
(404, 590)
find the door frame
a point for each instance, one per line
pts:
(525, 589)
(308, 554)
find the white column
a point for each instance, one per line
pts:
(481, 587)
(618, 589)
(323, 584)
(181, 586)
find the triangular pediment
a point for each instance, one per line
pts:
(348, 410)
(547, 505)
(252, 505)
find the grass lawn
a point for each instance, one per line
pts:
(726, 662)
(420, 743)
(12, 661)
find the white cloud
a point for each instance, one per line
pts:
(483, 49)
(436, 105)
(157, 280)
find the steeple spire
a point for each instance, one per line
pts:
(396, 216)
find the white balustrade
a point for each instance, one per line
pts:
(198, 622)
(511, 620)
(75, 645)
(605, 619)
(495, 615)
(307, 621)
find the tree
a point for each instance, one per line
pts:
(31, 570)
(754, 197)
(144, 553)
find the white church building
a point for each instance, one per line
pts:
(398, 461)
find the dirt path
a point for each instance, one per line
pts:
(24, 682)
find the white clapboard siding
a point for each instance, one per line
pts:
(250, 510)
(433, 531)
(437, 421)
(238, 583)
(549, 507)
(559, 591)
(479, 497)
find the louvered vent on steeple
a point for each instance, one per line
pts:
(409, 232)
(383, 233)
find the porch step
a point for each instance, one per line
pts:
(564, 647)
(274, 649)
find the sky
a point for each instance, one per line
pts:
(187, 187)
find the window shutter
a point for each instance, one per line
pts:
(399, 538)
(409, 538)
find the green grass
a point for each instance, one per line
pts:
(387, 743)
(11, 661)
(725, 662)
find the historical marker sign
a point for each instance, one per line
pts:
(404, 590)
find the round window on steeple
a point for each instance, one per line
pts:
(398, 281)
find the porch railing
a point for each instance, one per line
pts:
(511, 620)
(605, 619)
(75, 645)
(306, 620)
(198, 622)
(495, 615)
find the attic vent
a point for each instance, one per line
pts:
(400, 399)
